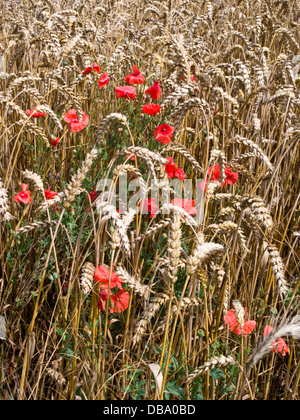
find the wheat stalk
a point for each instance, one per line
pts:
(5, 215)
(221, 361)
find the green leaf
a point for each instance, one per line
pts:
(174, 389)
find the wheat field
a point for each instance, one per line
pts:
(173, 298)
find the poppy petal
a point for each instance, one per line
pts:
(154, 91)
(249, 327)
(126, 92)
(121, 301)
(151, 109)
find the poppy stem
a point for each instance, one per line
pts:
(241, 374)
(108, 294)
(107, 304)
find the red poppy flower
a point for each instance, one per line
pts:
(120, 301)
(93, 195)
(74, 124)
(102, 274)
(132, 157)
(135, 78)
(126, 92)
(193, 78)
(232, 322)
(180, 174)
(154, 91)
(103, 299)
(151, 109)
(49, 194)
(104, 80)
(95, 68)
(57, 208)
(55, 142)
(278, 346)
(150, 206)
(215, 170)
(231, 177)
(132, 176)
(163, 133)
(203, 184)
(173, 171)
(24, 196)
(35, 114)
(187, 205)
